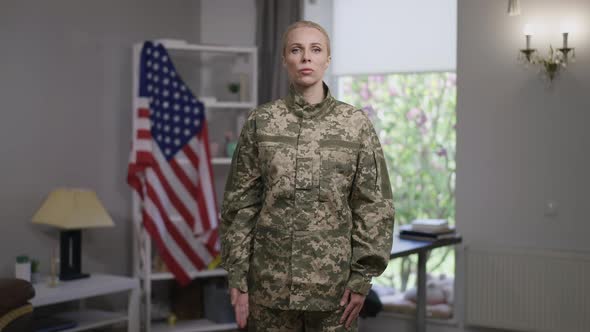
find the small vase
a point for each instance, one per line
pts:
(230, 148)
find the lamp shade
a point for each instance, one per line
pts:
(70, 208)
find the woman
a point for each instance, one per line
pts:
(307, 216)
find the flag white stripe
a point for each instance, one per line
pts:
(185, 198)
(143, 123)
(143, 145)
(180, 225)
(142, 102)
(205, 175)
(191, 172)
(167, 239)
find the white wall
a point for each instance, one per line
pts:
(520, 142)
(65, 87)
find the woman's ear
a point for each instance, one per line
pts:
(328, 62)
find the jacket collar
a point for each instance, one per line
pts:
(298, 105)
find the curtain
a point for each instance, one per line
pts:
(272, 19)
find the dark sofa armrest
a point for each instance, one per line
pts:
(14, 293)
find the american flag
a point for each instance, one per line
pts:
(170, 166)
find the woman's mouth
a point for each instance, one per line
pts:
(306, 71)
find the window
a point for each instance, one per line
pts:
(414, 116)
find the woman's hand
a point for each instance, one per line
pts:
(239, 301)
(355, 304)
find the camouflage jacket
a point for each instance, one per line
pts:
(308, 208)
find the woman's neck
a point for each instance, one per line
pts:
(313, 94)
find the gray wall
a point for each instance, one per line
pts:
(520, 141)
(228, 22)
(65, 92)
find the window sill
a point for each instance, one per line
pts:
(452, 322)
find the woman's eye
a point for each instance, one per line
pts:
(317, 50)
(294, 50)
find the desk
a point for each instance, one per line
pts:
(403, 247)
(95, 285)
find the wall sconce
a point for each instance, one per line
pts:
(513, 7)
(554, 61)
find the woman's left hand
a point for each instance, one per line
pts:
(355, 303)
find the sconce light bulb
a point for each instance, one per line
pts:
(528, 29)
(566, 27)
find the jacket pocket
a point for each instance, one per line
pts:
(277, 164)
(270, 256)
(338, 164)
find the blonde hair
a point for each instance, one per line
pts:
(304, 24)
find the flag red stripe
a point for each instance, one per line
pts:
(184, 212)
(205, 138)
(143, 113)
(178, 238)
(184, 179)
(144, 158)
(211, 243)
(201, 204)
(178, 272)
(133, 178)
(144, 134)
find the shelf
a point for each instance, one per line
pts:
(214, 161)
(181, 45)
(221, 161)
(229, 104)
(193, 326)
(96, 284)
(91, 319)
(193, 274)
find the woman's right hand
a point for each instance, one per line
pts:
(239, 301)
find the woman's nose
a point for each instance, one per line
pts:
(305, 56)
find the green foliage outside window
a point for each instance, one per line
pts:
(414, 116)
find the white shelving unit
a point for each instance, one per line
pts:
(95, 285)
(142, 242)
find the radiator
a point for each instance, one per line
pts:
(528, 290)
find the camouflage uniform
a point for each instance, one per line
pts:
(308, 208)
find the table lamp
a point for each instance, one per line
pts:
(72, 210)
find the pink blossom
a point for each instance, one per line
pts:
(376, 79)
(365, 93)
(417, 115)
(370, 111)
(451, 80)
(346, 88)
(393, 91)
(413, 113)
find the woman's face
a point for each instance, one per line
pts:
(306, 56)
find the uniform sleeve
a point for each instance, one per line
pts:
(372, 214)
(241, 205)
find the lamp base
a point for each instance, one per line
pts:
(71, 258)
(73, 276)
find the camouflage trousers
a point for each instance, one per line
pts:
(265, 319)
